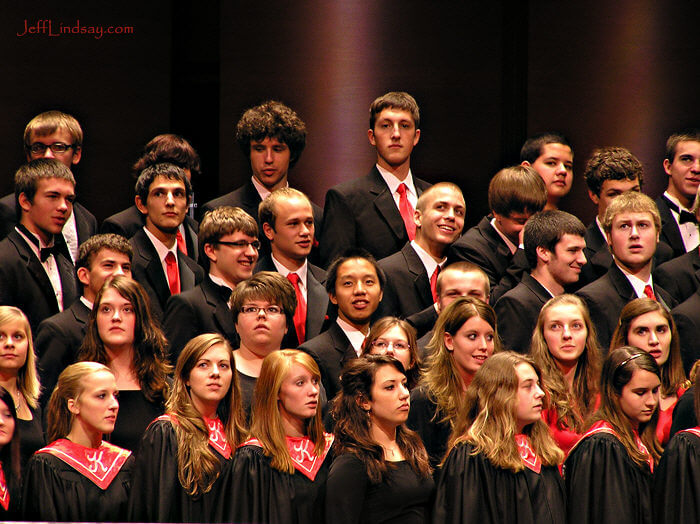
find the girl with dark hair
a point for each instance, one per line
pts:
(122, 335)
(183, 453)
(397, 338)
(10, 473)
(646, 324)
(609, 471)
(279, 474)
(465, 336)
(381, 472)
(502, 462)
(565, 348)
(79, 477)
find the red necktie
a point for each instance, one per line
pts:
(648, 291)
(406, 210)
(173, 274)
(433, 283)
(181, 244)
(300, 311)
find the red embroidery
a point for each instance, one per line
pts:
(694, 431)
(527, 454)
(301, 449)
(100, 465)
(217, 437)
(4, 492)
(603, 427)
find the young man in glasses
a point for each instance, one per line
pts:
(54, 134)
(229, 239)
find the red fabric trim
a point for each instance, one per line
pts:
(217, 437)
(4, 492)
(695, 431)
(527, 454)
(301, 450)
(603, 427)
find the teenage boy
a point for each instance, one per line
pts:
(550, 154)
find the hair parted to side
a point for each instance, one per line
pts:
(171, 149)
(533, 147)
(267, 210)
(272, 119)
(197, 465)
(618, 369)
(150, 345)
(70, 385)
(150, 173)
(353, 424)
(266, 423)
(612, 163)
(265, 285)
(631, 202)
(48, 123)
(573, 406)
(384, 324)
(9, 454)
(672, 373)
(27, 178)
(690, 135)
(517, 189)
(441, 379)
(27, 376)
(225, 220)
(394, 100)
(96, 243)
(488, 421)
(546, 228)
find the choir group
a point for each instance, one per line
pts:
(271, 361)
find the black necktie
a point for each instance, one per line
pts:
(684, 216)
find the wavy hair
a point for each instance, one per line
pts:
(27, 376)
(384, 324)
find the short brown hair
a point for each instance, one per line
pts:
(27, 177)
(268, 285)
(225, 220)
(517, 189)
(691, 135)
(631, 202)
(93, 245)
(49, 122)
(612, 163)
(169, 148)
(546, 228)
(394, 100)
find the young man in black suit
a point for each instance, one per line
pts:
(229, 238)
(679, 227)
(54, 134)
(36, 274)
(412, 272)
(632, 226)
(554, 248)
(287, 219)
(375, 212)
(162, 194)
(58, 337)
(687, 322)
(515, 194)
(354, 284)
(171, 149)
(272, 137)
(550, 154)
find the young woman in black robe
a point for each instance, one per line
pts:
(677, 477)
(78, 476)
(10, 472)
(502, 462)
(122, 335)
(182, 454)
(278, 475)
(381, 471)
(609, 471)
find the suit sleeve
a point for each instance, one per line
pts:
(54, 354)
(338, 229)
(510, 327)
(180, 324)
(112, 226)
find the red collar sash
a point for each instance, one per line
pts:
(301, 450)
(217, 434)
(4, 492)
(694, 431)
(527, 454)
(99, 465)
(603, 427)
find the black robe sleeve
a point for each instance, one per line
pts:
(604, 485)
(684, 412)
(471, 489)
(54, 491)
(423, 420)
(677, 481)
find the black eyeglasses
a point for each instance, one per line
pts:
(255, 310)
(37, 148)
(240, 244)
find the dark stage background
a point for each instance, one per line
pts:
(485, 76)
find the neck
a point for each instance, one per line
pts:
(167, 238)
(121, 360)
(214, 271)
(363, 327)
(282, 183)
(552, 204)
(291, 263)
(206, 409)
(8, 380)
(466, 378)
(44, 236)
(568, 369)
(400, 171)
(88, 437)
(293, 426)
(685, 201)
(383, 434)
(543, 276)
(435, 249)
(641, 272)
(249, 361)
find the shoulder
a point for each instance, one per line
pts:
(348, 464)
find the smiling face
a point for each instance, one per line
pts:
(439, 219)
(14, 345)
(651, 333)
(7, 425)
(292, 237)
(116, 320)
(210, 378)
(394, 136)
(97, 406)
(357, 292)
(565, 333)
(632, 240)
(684, 172)
(299, 392)
(640, 397)
(470, 346)
(556, 167)
(455, 283)
(261, 332)
(528, 403)
(50, 209)
(269, 160)
(565, 264)
(232, 263)
(390, 401)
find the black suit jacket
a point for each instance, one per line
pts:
(423, 321)
(57, 341)
(203, 309)
(316, 301)
(128, 222)
(687, 318)
(25, 284)
(331, 350)
(517, 313)
(670, 233)
(362, 213)
(680, 276)
(407, 288)
(147, 270)
(607, 296)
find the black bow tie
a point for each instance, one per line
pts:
(46, 252)
(684, 216)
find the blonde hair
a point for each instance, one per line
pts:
(266, 424)
(70, 385)
(198, 467)
(27, 376)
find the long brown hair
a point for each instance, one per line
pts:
(353, 425)
(672, 374)
(197, 466)
(150, 362)
(386, 323)
(27, 376)
(266, 424)
(488, 417)
(618, 369)
(574, 405)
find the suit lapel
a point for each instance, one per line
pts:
(421, 280)
(342, 344)
(35, 269)
(153, 267)
(191, 238)
(385, 205)
(187, 276)
(316, 305)
(621, 283)
(222, 314)
(66, 270)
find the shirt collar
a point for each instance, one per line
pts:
(282, 270)
(355, 336)
(512, 247)
(219, 281)
(428, 261)
(637, 283)
(678, 203)
(393, 182)
(161, 248)
(261, 189)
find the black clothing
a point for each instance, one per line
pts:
(247, 385)
(331, 350)
(423, 420)
(684, 412)
(687, 322)
(423, 321)
(31, 436)
(402, 497)
(471, 489)
(680, 276)
(136, 412)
